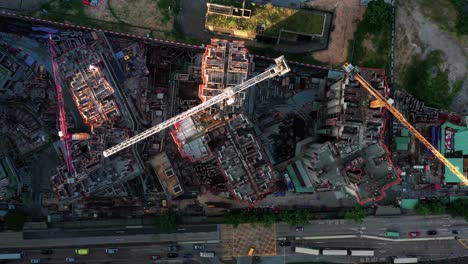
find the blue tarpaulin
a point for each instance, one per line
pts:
(119, 55)
(46, 29)
(29, 60)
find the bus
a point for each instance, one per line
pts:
(392, 234)
(11, 256)
(362, 252)
(335, 252)
(251, 251)
(405, 260)
(309, 251)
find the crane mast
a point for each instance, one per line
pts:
(278, 69)
(353, 74)
(63, 133)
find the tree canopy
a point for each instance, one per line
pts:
(248, 216)
(167, 220)
(377, 15)
(429, 207)
(458, 208)
(15, 220)
(295, 217)
(357, 214)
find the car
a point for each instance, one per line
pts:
(285, 243)
(82, 251)
(70, 259)
(456, 232)
(172, 255)
(432, 232)
(414, 234)
(198, 247)
(47, 251)
(299, 228)
(112, 250)
(188, 255)
(154, 257)
(173, 248)
(35, 260)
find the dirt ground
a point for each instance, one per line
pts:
(417, 34)
(347, 14)
(140, 13)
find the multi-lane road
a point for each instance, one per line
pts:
(137, 243)
(126, 254)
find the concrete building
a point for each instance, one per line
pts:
(225, 63)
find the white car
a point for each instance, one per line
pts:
(35, 260)
(68, 260)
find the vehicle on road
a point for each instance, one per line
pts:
(334, 252)
(299, 228)
(47, 251)
(309, 251)
(154, 257)
(199, 247)
(82, 251)
(11, 256)
(188, 255)
(71, 259)
(392, 234)
(173, 248)
(285, 243)
(405, 260)
(414, 234)
(112, 250)
(432, 232)
(207, 254)
(456, 232)
(35, 260)
(172, 255)
(362, 252)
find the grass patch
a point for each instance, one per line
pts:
(442, 12)
(169, 9)
(72, 11)
(274, 18)
(461, 7)
(376, 29)
(425, 81)
(269, 52)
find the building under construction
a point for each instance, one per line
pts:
(225, 63)
(357, 162)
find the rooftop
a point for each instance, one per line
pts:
(450, 177)
(166, 174)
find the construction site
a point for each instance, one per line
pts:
(216, 121)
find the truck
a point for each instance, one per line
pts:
(207, 254)
(335, 252)
(11, 256)
(404, 260)
(362, 252)
(309, 251)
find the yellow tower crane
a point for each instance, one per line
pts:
(381, 101)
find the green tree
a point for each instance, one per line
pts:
(377, 15)
(357, 214)
(295, 217)
(431, 207)
(15, 220)
(458, 208)
(167, 220)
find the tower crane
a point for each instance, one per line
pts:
(353, 74)
(63, 133)
(280, 68)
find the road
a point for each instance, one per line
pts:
(378, 226)
(126, 254)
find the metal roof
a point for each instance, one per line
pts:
(450, 177)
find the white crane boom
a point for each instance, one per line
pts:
(275, 70)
